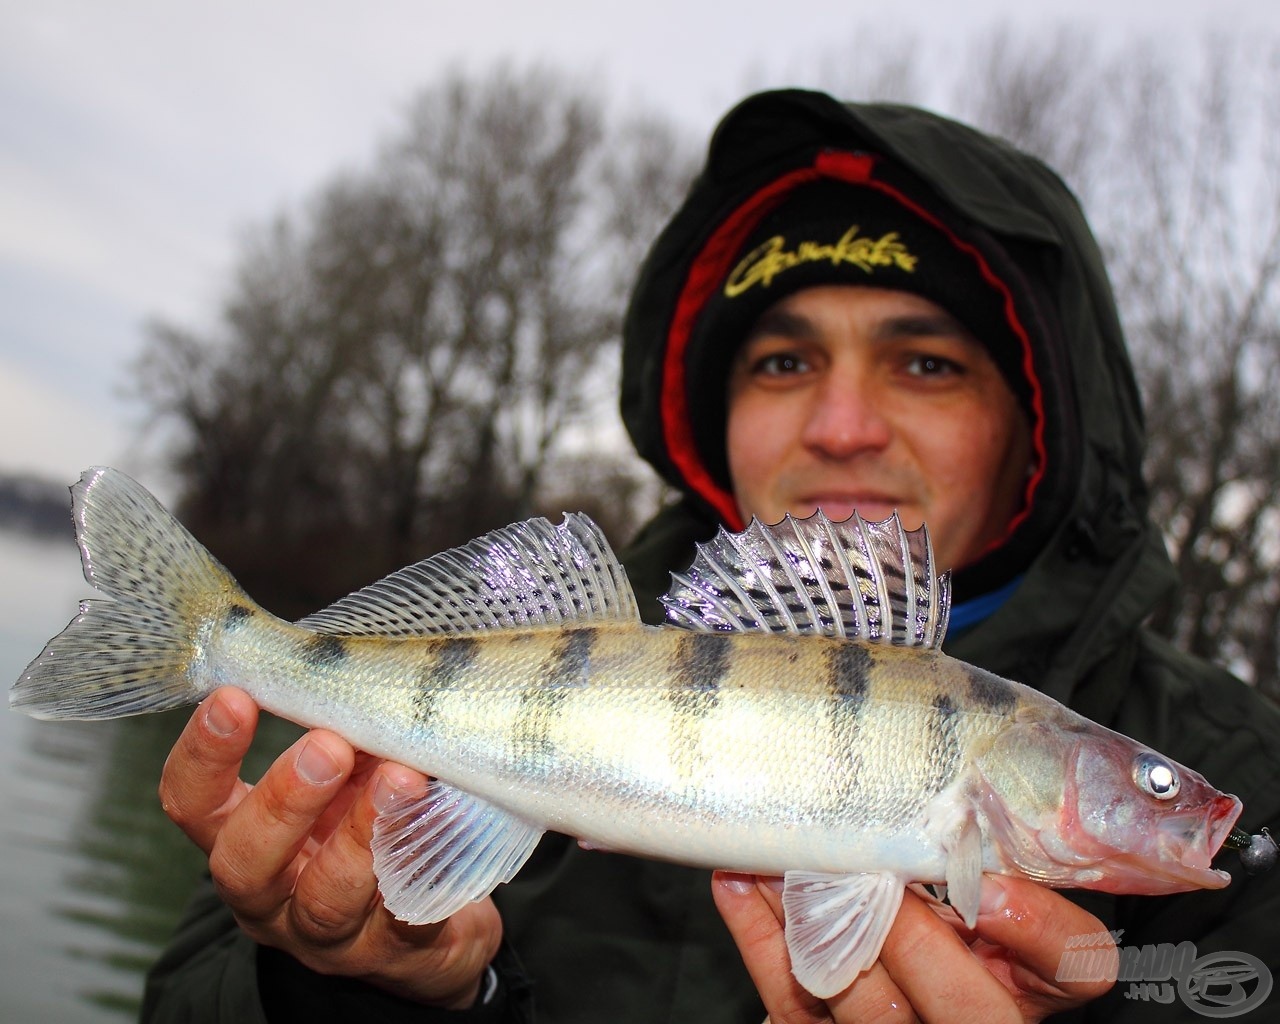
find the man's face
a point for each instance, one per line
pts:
(845, 398)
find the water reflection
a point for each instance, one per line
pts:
(129, 869)
(125, 871)
(95, 876)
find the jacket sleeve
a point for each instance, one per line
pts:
(207, 973)
(212, 973)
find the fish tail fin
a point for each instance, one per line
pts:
(139, 647)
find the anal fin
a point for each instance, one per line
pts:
(436, 853)
(836, 924)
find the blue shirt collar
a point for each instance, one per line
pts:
(971, 612)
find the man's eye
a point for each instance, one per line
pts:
(932, 366)
(780, 363)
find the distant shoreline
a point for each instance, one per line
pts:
(35, 507)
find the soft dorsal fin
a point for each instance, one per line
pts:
(527, 574)
(857, 580)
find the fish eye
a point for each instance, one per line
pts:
(1155, 776)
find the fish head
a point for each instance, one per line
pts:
(1076, 805)
(1159, 822)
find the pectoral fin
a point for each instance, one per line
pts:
(436, 853)
(836, 924)
(964, 870)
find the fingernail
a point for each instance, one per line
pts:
(396, 783)
(774, 882)
(739, 885)
(384, 794)
(316, 765)
(220, 719)
(992, 897)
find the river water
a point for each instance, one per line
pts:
(92, 874)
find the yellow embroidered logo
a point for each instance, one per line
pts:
(765, 262)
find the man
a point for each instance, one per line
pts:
(857, 307)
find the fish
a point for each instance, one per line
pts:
(794, 716)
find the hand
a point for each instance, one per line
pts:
(931, 967)
(290, 856)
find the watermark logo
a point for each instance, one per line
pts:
(1220, 985)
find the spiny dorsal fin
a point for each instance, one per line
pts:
(526, 574)
(857, 580)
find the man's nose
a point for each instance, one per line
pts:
(847, 419)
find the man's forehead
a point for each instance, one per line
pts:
(887, 312)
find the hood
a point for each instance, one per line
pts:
(1089, 562)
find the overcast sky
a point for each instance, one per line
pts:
(138, 140)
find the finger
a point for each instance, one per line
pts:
(1035, 923)
(253, 861)
(200, 784)
(936, 972)
(336, 813)
(757, 931)
(336, 891)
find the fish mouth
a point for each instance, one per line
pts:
(1222, 819)
(1191, 840)
(1178, 859)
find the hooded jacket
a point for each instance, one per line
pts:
(592, 937)
(1091, 564)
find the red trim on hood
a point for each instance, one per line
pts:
(709, 269)
(1020, 332)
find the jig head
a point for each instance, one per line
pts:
(1258, 853)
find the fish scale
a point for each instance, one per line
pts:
(795, 717)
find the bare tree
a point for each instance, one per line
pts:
(1044, 93)
(1200, 282)
(871, 64)
(1174, 160)
(399, 365)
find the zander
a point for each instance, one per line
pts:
(796, 717)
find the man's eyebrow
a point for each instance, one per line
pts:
(915, 325)
(783, 323)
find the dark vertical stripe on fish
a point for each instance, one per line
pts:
(700, 665)
(454, 657)
(848, 675)
(321, 651)
(848, 681)
(237, 615)
(571, 658)
(990, 693)
(943, 758)
(567, 669)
